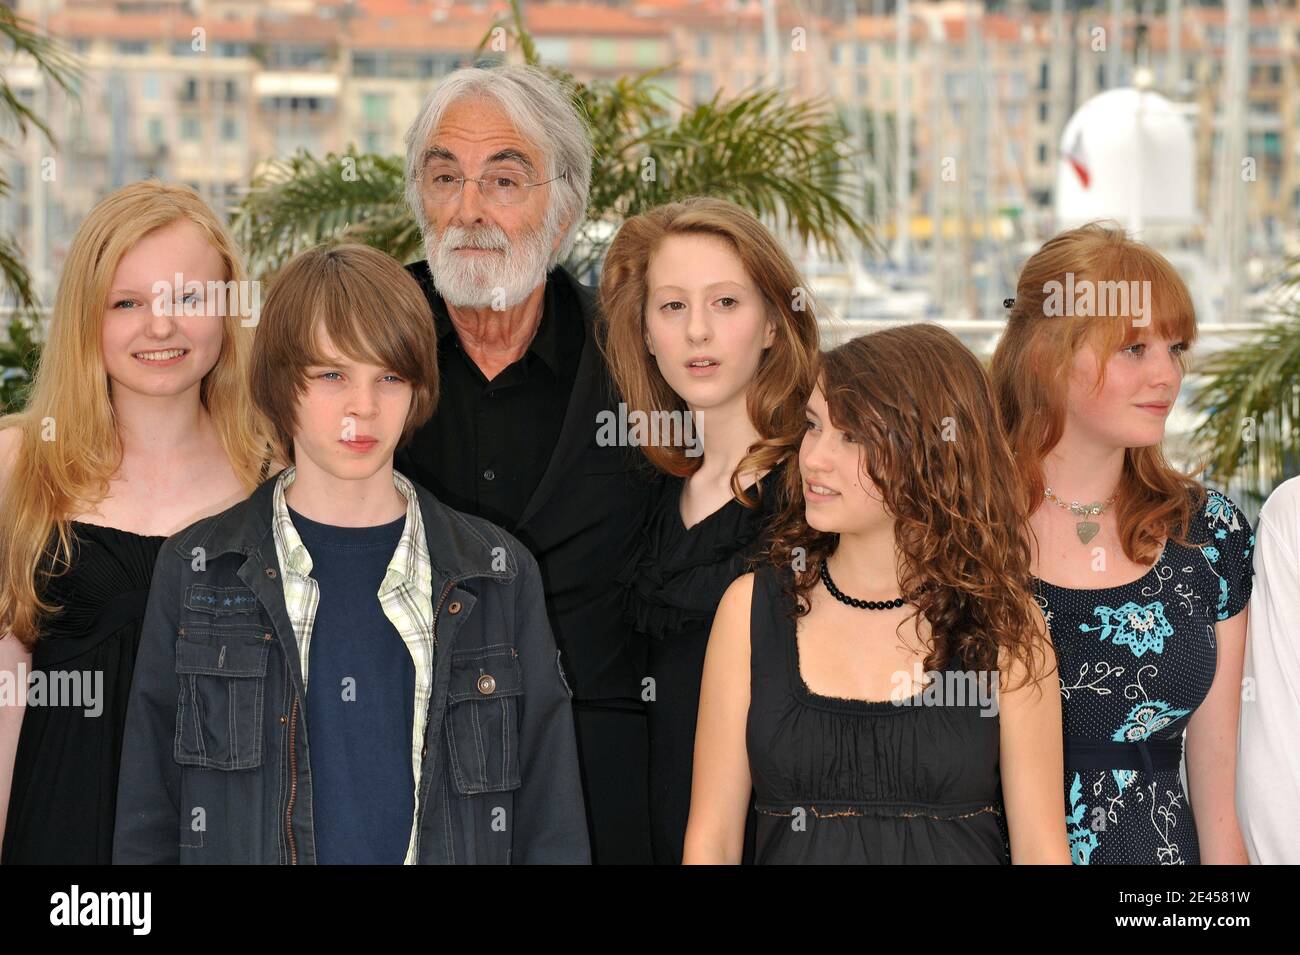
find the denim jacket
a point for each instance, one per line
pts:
(215, 759)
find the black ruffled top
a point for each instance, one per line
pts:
(677, 575)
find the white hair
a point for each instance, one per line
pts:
(542, 110)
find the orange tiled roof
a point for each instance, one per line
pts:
(419, 33)
(590, 18)
(119, 26)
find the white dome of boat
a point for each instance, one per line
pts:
(1127, 154)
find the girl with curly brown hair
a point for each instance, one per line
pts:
(884, 682)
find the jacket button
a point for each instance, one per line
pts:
(270, 572)
(424, 752)
(453, 607)
(283, 719)
(486, 684)
(266, 636)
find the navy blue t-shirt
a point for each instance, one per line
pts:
(360, 699)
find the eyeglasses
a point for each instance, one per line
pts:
(504, 187)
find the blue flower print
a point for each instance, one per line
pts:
(1212, 553)
(1219, 510)
(1145, 720)
(1140, 628)
(1082, 839)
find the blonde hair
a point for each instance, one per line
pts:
(1030, 372)
(51, 480)
(785, 376)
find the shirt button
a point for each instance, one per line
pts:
(486, 684)
(453, 607)
(489, 474)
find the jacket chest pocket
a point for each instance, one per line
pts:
(482, 721)
(222, 674)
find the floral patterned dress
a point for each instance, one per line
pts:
(1135, 663)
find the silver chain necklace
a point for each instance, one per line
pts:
(1086, 529)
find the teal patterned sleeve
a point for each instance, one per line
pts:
(1231, 549)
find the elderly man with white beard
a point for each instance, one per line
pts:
(498, 165)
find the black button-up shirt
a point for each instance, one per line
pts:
(489, 442)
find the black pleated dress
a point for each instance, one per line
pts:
(64, 795)
(855, 781)
(673, 585)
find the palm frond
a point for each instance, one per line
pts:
(60, 67)
(304, 200)
(1250, 396)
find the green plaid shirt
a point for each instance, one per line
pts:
(406, 596)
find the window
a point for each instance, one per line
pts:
(190, 131)
(701, 87)
(132, 47)
(229, 129)
(702, 46)
(297, 56)
(190, 90)
(232, 91)
(604, 53)
(155, 131)
(646, 53)
(1042, 112)
(1042, 153)
(374, 107)
(1044, 75)
(149, 86)
(552, 49)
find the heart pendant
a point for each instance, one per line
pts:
(1087, 530)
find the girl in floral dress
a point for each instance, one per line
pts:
(1142, 573)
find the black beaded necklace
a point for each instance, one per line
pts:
(854, 601)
